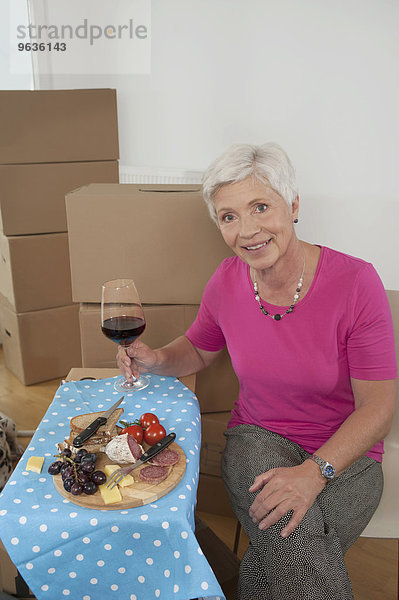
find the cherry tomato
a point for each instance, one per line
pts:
(148, 419)
(154, 433)
(135, 431)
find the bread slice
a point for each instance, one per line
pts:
(96, 439)
(67, 443)
(90, 446)
(80, 422)
(100, 439)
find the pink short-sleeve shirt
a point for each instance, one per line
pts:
(294, 374)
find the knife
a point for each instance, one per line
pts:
(118, 475)
(155, 449)
(95, 425)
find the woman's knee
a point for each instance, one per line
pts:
(349, 503)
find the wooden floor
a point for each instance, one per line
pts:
(372, 563)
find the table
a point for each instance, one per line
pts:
(65, 551)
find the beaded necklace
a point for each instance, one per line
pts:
(278, 317)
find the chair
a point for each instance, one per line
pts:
(385, 521)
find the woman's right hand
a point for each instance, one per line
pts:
(135, 359)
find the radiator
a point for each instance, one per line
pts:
(160, 176)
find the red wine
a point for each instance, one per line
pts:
(124, 329)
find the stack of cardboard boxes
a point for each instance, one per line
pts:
(50, 142)
(163, 239)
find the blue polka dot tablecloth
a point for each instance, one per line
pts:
(64, 551)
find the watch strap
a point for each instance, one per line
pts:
(319, 461)
(326, 468)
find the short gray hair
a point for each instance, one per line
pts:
(268, 163)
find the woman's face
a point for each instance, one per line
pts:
(256, 222)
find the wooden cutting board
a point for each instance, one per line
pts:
(137, 494)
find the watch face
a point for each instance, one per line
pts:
(329, 472)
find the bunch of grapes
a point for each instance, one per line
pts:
(78, 473)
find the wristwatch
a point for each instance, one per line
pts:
(326, 468)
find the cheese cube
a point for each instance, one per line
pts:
(147, 496)
(109, 469)
(110, 496)
(35, 464)
(127, 480)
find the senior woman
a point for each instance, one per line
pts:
(310, 336)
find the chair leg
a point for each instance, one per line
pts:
(237, 537)
(398, 568)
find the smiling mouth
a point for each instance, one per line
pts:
(257, 246)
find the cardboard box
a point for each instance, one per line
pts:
(34, 271)
(44, 126)
(224, 563)
(163, 324)
(32, 197)
(212, 496)
(42, 344)
(79, 373)
(160, 236)
(216, 387)
(11, 581)
(213, 425)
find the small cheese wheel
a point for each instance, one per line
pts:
(35, 463)
(118, 449)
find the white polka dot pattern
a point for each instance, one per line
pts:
(63, 550)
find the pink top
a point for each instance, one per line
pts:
(294, 374)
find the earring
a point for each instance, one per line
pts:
(295, 220)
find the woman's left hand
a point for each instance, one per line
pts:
(285, 489)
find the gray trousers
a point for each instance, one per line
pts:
(309, 564)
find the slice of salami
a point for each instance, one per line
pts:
(166, 458)
(153, 474)
(134, 447)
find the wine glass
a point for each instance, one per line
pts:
(122, 321)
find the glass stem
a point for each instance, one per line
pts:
(125, 349)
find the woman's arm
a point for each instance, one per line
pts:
(178, 358)
(368, 424)
(296, 488)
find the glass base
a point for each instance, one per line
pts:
(122, 385)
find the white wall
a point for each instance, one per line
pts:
(8, 80)
(318, 77)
